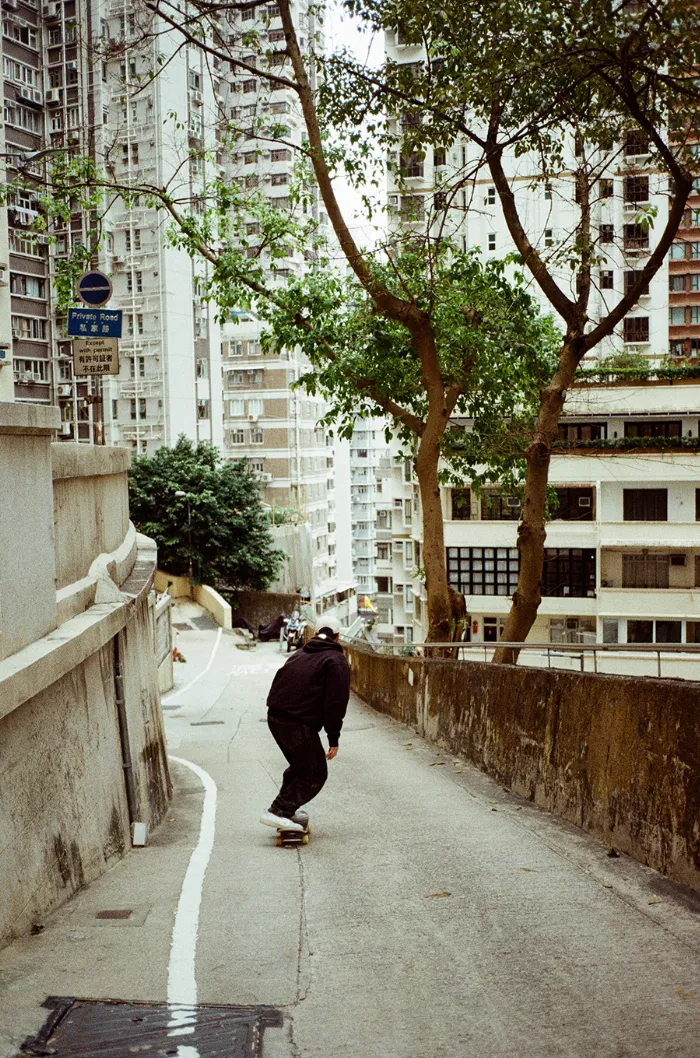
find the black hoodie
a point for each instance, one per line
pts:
(313, 688)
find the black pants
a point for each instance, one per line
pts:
(307, 771)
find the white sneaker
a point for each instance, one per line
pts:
(280, 822)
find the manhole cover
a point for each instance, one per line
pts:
(84, 1028)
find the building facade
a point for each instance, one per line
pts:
(622, 546)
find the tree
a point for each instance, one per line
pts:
(218, 528)
(541, 90)
(527, 78)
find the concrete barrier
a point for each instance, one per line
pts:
(616, 755)
(213, 602)
(82, 745)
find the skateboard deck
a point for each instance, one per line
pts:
(292, 838)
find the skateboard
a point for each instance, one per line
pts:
(289, 839)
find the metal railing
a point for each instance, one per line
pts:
(553, 651)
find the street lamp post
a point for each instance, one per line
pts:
(185, 496)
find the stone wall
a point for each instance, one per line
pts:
(618, 756)
(262, 607)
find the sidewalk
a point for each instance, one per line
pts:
(432, 915)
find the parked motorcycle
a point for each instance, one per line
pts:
(294, 632)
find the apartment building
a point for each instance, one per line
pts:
(622, 546)
(76, 82)
(266, 418)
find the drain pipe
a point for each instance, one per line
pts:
(124, 740)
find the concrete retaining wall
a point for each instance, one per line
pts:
(65, 813)
(617, 756)
(262, 607)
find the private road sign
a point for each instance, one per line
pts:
(95, 323)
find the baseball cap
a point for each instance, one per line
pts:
(329, 624)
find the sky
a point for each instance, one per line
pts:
(344, 31)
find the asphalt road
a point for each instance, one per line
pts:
(432, 913)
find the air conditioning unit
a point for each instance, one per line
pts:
(196, 98)
(16, 333)
(678, 560)
(27, 376)
(11, 5)
(50, 11)
(512, 501)
(74, 136)
(63, 390)
(584, 501)
(66, 429)
(53, 96)
(30, 95)
(393, 200)
(72, 66)
(266, 477)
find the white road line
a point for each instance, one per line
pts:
(183, 690)
(182, 981)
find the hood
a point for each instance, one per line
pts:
(315, 645)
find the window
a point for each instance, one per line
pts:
(631, 277)
(676, 284)
(636, 329)
(461, 505)
(27, 286)
(569, 572)
(645, 571)
(28, 328)
(383, 552)
(611, 632)
(548, 193)
(695, 282)
(606, 188)
(280, 155)
(496, 506)
(202, 368)
(483, 570)
(31, 370)
(279, 179)
(141, 408)
(411, 207)
(492, 240)
(660, 428)
(412, 166)
(677, 252)
(653, 631)
(694, 250)
(636, 142)
(115, 409)
(582, 431)
(606, 280)
(697, 505)
(493, 629)
(636, 237)
(692, 632)
(645, 505)
(256, 435)
(571, 629)
(548, 237)
(491, 196)
(606, 233)
(383, 585)
(640, 631)
(695, 314)
(439, 157)
(575, 505)
(202, 409)
(636, 188)
(676, 316)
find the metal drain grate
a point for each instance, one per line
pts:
(84, 1028)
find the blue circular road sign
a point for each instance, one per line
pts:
(94, 288)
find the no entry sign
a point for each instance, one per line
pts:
(94, 288)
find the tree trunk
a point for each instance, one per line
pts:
(434, 563)
(531, 531)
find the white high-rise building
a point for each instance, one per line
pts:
(622, 561)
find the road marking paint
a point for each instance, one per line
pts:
(205, 670)
(182, 981)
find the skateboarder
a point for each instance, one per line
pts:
(308, 693)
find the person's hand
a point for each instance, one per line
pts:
(332, 752)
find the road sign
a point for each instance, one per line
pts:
(95, 323)
(96, 356)
(94, 288)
